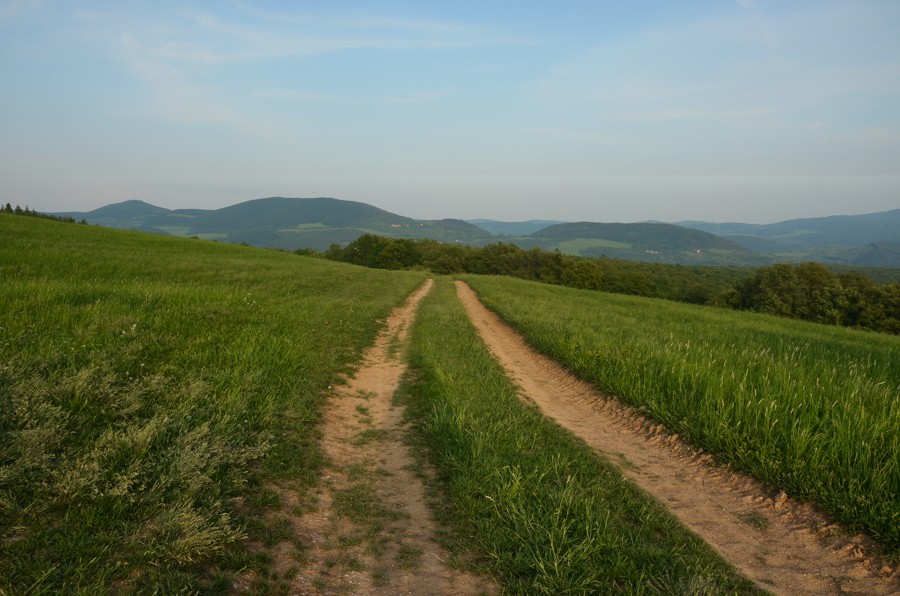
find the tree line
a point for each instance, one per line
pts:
(17, 210)
(807, 291)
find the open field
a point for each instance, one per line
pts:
(547, 515)
(150, 388)
(163, 412)
(810, 409)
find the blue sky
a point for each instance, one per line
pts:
(729, 110)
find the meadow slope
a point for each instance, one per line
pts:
(151, 389)
(809, 409)
(778, 543)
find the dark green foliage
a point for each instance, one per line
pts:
(811, 292)
(700, 285)
(383, 253)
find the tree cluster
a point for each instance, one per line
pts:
(808, 291)
(691, 284)
(811, 292)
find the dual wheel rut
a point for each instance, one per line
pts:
(373, 532)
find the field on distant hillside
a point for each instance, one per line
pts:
(811, 409)
(149, 388)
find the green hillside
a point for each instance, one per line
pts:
(150, 389)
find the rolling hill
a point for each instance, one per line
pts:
(279, 222)
(871, 240)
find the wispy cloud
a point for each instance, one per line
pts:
(765, 65)
(711, 115)
(180, 55)
(209, 38)
(301, 96)
(14, 8)
(174, 97)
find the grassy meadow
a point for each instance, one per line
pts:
(546, 515)
(811, 409)
(150, 388)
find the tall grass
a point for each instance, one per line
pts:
(546, 514)
(812, 409)
(146, 385)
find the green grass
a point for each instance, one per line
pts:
(546, 515)
(147, 382)
(811, 409)
(576, 245)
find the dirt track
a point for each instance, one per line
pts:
(372, 531)
(781, 545)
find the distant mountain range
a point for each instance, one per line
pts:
(872, 239)
(291, 223)
(648, 242)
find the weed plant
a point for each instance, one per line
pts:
(147, 386)
(811, 409)
(548, 516)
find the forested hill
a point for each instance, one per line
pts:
(279, 222)
(277, 212)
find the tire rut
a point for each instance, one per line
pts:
(783, 546)
(372, 531)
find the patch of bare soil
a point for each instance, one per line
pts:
(784, 546)
(371, 531)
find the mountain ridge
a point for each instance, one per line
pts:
(280, 222)
(317, 223)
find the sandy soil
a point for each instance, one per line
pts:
(386, 543)
(784, 546)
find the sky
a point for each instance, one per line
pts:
(729, 110)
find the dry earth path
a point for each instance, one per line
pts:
(371, 531)
(784, 546)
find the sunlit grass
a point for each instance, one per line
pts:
(811, 409)
(546, 515)
(148, 386)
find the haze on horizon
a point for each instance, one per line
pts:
(727, 110)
